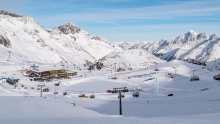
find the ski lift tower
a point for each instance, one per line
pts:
(156, 86)
(34, 67)
(41, 85)
(119, 90)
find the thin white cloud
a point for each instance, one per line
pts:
(188, 9)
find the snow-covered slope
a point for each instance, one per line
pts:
(129, 59)
(190, 103)
(200, 47)
(26, 37)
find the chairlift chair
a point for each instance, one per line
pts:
(64, 93)
(135, 94)
(194, 78)
(55, 92)
(92, 96)
(125, 90)
(82, 95)
(114, 91)
(217, 77)
(109, 91)
(122, 96)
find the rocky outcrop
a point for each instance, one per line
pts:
(2, 12)
(5, 41)
(69, 28)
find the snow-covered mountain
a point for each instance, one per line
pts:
(200, 47)
(27, 40)
(24, 36)
(129, 60)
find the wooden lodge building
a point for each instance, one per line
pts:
(42, 74)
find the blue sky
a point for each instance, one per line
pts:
(124, 20)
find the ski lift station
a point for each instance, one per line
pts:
(46, 74)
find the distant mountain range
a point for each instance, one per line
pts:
(25, 37)
(199, 47)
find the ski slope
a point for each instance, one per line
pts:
(188, 105)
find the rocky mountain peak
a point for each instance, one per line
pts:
(213, 37)
(69, 28)
(2, 12)
(163, 41)
(202, 36)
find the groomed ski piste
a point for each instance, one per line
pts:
(190, 103)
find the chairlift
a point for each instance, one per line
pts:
(92, 96)
(38, 88)
(55, 92)
(64, 93)
(45, 90)
(122, 96)
(194, 78)
(125, 90)
(135, 94)
(216, 77)
(56, 84)
(109, 91)
(82, 95)
(114, 91)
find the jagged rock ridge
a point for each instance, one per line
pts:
(199, 47)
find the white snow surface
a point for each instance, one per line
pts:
(188, 105)
(130, 59)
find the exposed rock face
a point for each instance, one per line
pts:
(69, 28)
(2, 12)
(41, 42)
(4, 41)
